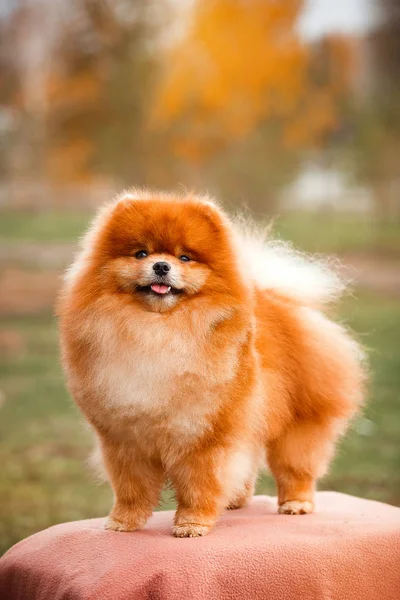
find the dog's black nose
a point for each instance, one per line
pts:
(161, 268)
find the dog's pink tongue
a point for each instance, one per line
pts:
(160, 288)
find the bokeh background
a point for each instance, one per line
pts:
(288, 108)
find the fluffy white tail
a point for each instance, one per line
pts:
(276, 265)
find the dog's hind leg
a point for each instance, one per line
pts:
(297, 459)
(243, 498)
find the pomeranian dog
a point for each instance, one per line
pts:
(197, 350)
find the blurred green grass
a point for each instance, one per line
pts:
(44, 443)
(42, 226)
(44, 478)
(314, 232)
(339, 233)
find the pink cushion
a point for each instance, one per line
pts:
(349, 549)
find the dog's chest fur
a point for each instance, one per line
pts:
(164, 379)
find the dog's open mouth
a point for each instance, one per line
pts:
(159, 289)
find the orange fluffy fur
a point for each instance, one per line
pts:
(235, 365)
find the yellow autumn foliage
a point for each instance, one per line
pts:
(240, 63)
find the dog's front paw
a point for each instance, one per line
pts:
(296, 507)
(190, 530)
(121, 519)
(114, 525)
(239, 503)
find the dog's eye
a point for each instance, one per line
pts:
(141, 254)
(184, 258)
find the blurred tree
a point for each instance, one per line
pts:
(99, 97)
(79, 76)
(229, 99)
(237, 62)
(388, 43)
(375, 144)
(239, 79)
(25, 55)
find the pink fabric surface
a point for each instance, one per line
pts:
(349, 549)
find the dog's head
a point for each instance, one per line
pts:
(164, 250)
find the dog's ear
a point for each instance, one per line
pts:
(132, 196)
(215, 216)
